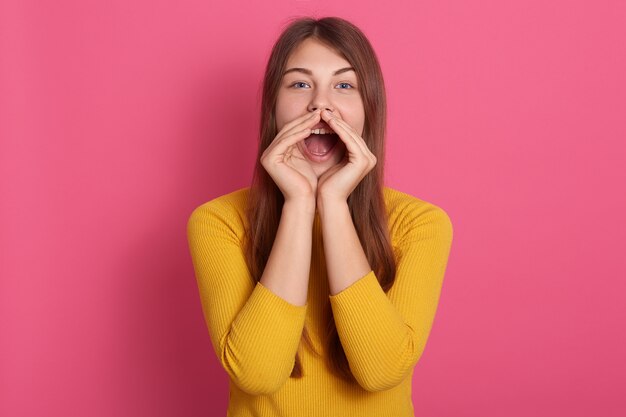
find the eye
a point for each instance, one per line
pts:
(297, 84)
(348, 84)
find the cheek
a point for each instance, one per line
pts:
(354, 113)
(286, 110)
(356, 119)
(280, 114)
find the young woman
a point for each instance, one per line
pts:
(319, 284)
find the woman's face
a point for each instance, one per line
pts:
(317, 77)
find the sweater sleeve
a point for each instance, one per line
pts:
(254, 332)
(384, 334)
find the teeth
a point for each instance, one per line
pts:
(322, 132)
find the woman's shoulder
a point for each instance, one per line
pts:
(233, 200)
(228, 209)
(398, 201)
(407, 213)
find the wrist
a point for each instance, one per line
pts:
(302, 205)
(330, 205)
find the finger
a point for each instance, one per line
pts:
(369, 156)
(305, 124)
(343, 131)
(330, 117)
(296, 124)
(356, 137)
(354, 133)
(281, 146)
(338, 118)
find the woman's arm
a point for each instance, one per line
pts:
(287, 270)
(346, 262)
(255, 328)
(384, 335)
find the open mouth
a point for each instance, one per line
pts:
(321, 144)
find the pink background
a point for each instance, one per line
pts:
(118, 118)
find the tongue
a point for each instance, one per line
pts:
(320, 144)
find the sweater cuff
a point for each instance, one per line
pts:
(268, 321)
(363, 311)
(356, 292)
(262, 342)
(265, 299)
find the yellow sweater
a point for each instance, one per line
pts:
(256, 334)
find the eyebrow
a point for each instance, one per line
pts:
(309, 72)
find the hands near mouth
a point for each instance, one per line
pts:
(290, 170)
(338, 182)
(293, 173)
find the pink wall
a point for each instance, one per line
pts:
(118, 118)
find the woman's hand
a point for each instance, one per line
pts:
(290, 170)
(338, 182)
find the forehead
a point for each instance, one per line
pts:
(312, 54)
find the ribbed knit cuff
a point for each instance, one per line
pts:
(372, 333)
(263, 341)
(279, 305)
(363, 311)
(357, 289)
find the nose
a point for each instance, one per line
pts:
(320, 101)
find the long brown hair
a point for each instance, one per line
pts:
(366, 203)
